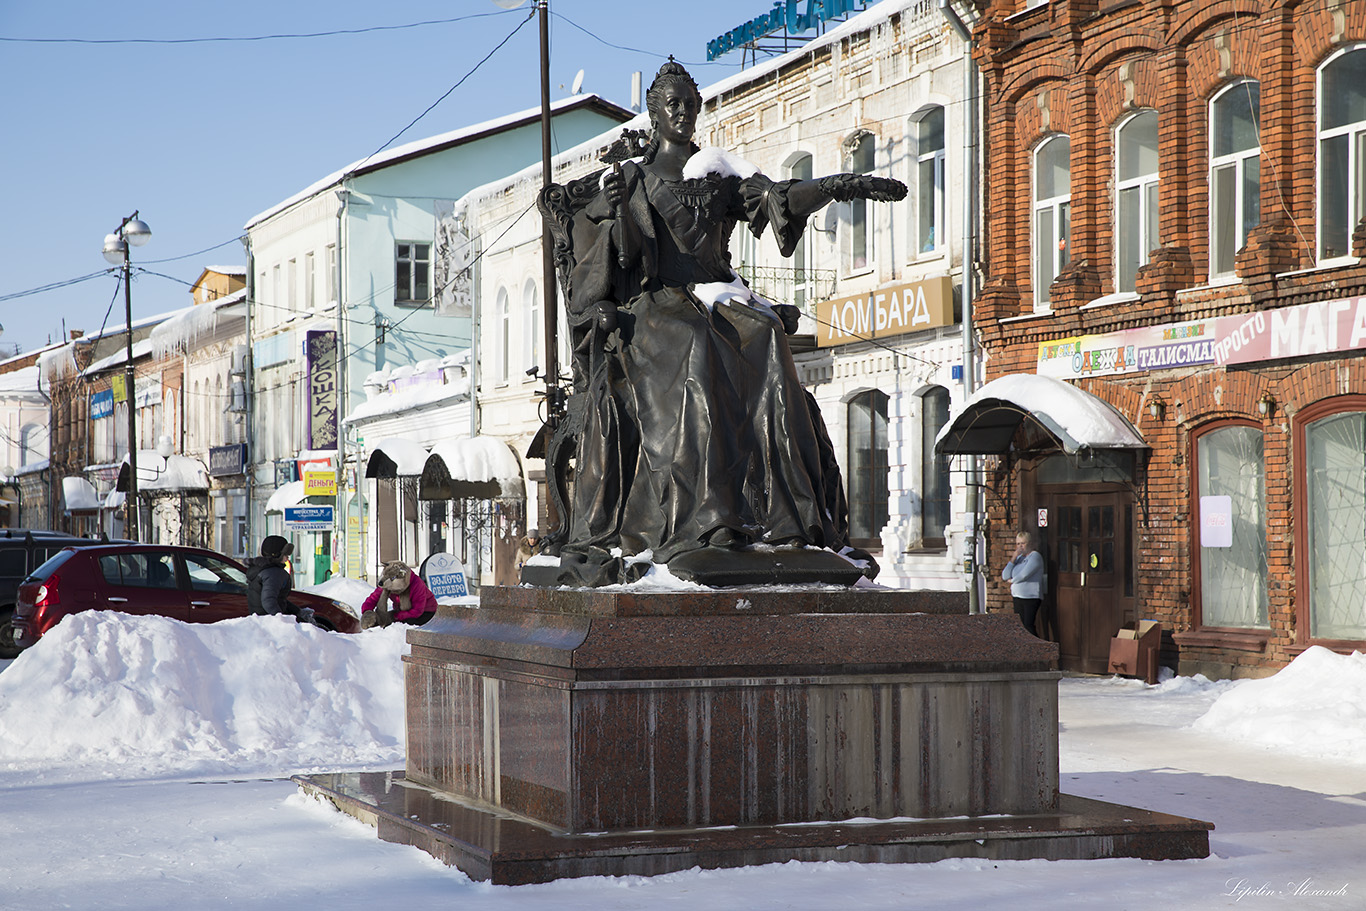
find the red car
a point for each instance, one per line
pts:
(185, 583)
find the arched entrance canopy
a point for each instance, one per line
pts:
(1072, 418)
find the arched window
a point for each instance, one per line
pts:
(1231, 486)
(935, 485)
(534, 329)
(1052, 213)
(800, 169)
(31, 448)
(502, 333)
(1136, 196)
(1235, 193)
(929, 181)
(867, 467)
(1342, 151)
(1332, 510)
(857, 242)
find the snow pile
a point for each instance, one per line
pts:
(351, 592)
(1315, 706)
(124, 694)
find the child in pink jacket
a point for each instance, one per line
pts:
(401, 596)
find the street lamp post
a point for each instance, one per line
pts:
(133, 231)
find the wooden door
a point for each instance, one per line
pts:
(1090, 547)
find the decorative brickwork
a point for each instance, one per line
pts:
(1080, 69)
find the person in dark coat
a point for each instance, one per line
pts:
(268, 582)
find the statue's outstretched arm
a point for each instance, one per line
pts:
(808, 196)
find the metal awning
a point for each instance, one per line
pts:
(79, 495)
(291, 493)
(476, 468)
(1073, 418)
(169, 474)
(395, 457)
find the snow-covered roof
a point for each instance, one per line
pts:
(141, 348)
(21, 382)
(179, 332)
(438, 143)
(227, 270)
(987, 421)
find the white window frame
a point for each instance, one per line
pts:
(1355, 195)
(1055, 250)
(853, 145)
(1237, 163)
(310, 281)
(802, 254)
(1143, 219)
(330, 276)
(502, 332)
(933, 158)
(416, 254)
(534, 331)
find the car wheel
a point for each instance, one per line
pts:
(7, 647)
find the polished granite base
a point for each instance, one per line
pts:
(501, 848)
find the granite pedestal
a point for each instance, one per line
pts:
(575, 732)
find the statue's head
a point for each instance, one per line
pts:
(671, 73)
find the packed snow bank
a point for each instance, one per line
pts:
(115, 694)
(351, 592)
(1315, 706)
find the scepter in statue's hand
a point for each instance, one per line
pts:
(630, 144)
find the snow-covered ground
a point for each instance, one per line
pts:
(144, 764)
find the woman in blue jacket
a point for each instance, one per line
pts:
(1025, 573)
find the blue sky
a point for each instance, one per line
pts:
(200, 137)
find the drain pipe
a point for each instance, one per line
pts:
(973, 556)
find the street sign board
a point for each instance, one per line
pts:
(308, 518)
(445, 575)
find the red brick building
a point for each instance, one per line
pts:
(1174, 196)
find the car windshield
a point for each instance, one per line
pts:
(41, 573)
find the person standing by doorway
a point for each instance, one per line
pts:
(1025, 573)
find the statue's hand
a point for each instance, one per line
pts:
(790, 317)
(844, 187)
(606, 315)
(614, 188)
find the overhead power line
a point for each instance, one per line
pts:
(229, 39)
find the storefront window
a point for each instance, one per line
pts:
(1336, 513)
(1233, 591)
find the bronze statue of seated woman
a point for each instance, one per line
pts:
(694, 443)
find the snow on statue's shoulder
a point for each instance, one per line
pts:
(712, 160)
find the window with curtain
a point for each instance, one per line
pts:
(1335, 456)
(1342, 151)
(935, 490)
(1233, 587)
(1052, 214)
(929, 180)
(867, 467)
(1235, 189)
(1136, 196)
(857, 241)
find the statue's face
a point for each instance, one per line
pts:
(676, 116)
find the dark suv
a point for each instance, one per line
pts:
(164, 580)
(23, 550)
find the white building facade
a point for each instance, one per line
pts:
(886, 93)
